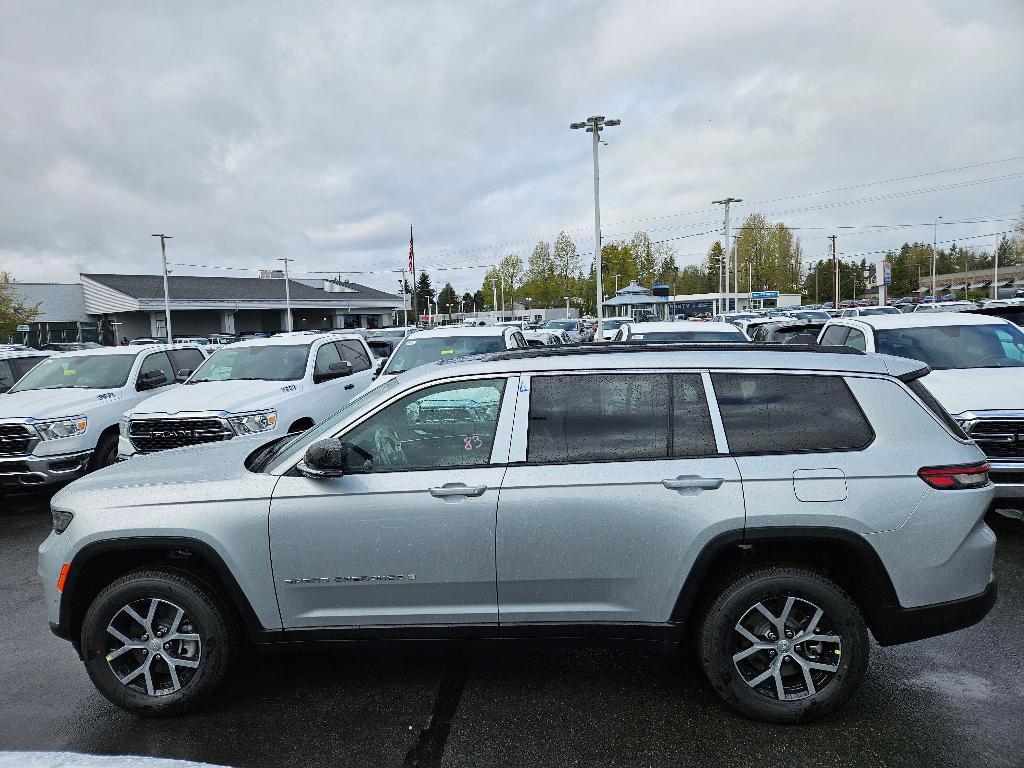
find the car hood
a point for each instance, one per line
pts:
(230, 396)
(51, 403)
(209, 464)
(978, 389)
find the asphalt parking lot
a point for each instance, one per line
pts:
(950, 701)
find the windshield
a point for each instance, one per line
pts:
(880, 311)
(416, 352)
(311, 435)
(611, 325)
(813, 314)
(269, 362)
(564, 325)
(79, 372)
(689, 336)
(392, 333)
(956, 346)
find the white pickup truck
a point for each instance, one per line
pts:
(262, 386)
(61, 419)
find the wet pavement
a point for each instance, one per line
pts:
(950, 701)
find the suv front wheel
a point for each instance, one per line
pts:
(157, 642)
(783, 644)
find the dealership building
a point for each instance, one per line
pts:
(105, 307)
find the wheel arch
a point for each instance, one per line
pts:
(842, 555)
(99, 563)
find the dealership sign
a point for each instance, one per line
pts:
(764, 295)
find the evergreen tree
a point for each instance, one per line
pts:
(424, 292)
(447, 299)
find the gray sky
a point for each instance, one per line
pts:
(321, 131)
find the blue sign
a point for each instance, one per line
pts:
(764, 295)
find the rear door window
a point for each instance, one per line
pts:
(355, 353)
(779, 413)
(856, 340)
(835, 335)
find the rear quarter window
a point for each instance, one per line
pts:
(797, 413)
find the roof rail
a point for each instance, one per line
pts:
(618, 347)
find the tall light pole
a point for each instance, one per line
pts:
(995, 268)
(594, 125)
(567, 298)
(167, 301)
(935, 252)
(726, 202)
(287, 295)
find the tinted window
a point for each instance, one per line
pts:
(692, 434)
(355, 353)
(267, 362)
(451, 425)
(616, 417)
(834, 335)
(856, 340)
(158, 362)
(775, 413)
(186, 359)
(7, 377)
(327, 354)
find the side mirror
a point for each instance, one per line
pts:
(151, 380)
(324, 459)
(183, 374)
(380, 367)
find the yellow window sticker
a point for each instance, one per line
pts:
(447, 351)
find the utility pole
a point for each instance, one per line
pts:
(726, 202)
(287, 295)
(405, 303)
(935, 252)
(835, 266)
(736, 271)
(995, 270)
(167, 301)
(594, 125)
(816, 264)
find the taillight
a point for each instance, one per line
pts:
(955, 478)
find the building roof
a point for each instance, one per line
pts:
(198, 287)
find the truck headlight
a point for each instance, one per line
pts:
(61, 519)
(253, 423)
(56, 429)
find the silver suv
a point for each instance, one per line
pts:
(763, 503)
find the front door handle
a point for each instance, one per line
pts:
(350, 386)
(693, 481)
(457, 489)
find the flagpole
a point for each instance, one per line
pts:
(412, 266)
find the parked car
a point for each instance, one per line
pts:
(14, 364)
(396, 332)
(810, 314)
(944, 305)
(1012, 312)
(684, 330)
(787, 330)
(144, 341)
(201, 340)
(978, 377)
(446, 343)
(222, 338)
(432, 505)
(71, 346)
(61, 419)
(574, 328)
(868, 311)
(544, 338)
(260, 387)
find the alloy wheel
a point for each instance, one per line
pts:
(786, 648)
(153, 647)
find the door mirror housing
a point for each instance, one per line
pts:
(183, 374)
(324, 458)
(334, 371)
(380, 367)
(151, 380)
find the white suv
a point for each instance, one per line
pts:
(16, 362)
(977, 364)
(283, 384)
(61, 419)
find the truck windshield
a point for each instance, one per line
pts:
(79, 372)
(689, 336)
(564, 325)
(266, 362)
(956, 346)
(416, 352)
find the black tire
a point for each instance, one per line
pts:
(105, 453)
(720, 639)
(205, 616)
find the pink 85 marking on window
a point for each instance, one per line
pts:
(472, 441)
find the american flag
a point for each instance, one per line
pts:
(412, 258)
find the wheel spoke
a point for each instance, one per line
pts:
(136, 615)
(183, 637)
(823, 667)
(153, 603)
(834, 639)
(768, 615)
(190, 663)
(177, 621)
(808, 680)
(175, 683)
(818, 613)
(780, 689)
(752, 650)
(748, 634)
(121, 651)
(134, 673)
(756, 681)
(148, 675)
(785, 612)
(121, 636)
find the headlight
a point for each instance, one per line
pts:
(252, 423)
(61, 428)
(61, 519)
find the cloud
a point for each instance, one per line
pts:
(258, 130)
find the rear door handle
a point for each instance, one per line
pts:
(457, 489)
(693, 481)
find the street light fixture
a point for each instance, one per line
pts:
(594, 125)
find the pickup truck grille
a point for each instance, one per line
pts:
(15, 440)
(1000, 438)
(151, 435)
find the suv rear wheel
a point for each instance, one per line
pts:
(783, 644)
(157, 642)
